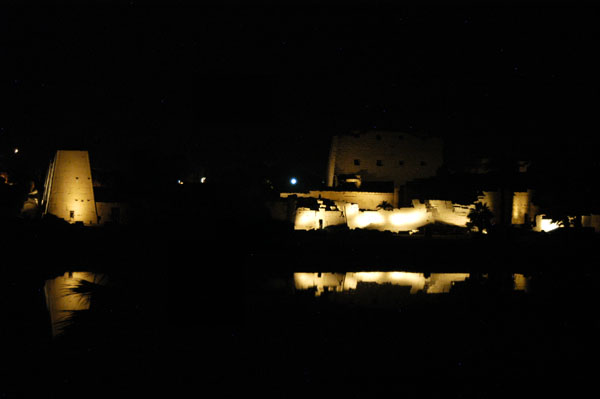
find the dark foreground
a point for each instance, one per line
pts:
(187, 310)
(482, 339)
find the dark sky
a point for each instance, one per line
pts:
(266, 87)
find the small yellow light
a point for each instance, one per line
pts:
(16, 151)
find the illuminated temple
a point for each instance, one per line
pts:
(69, 192)
(368, 174)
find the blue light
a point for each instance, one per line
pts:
(293, 181)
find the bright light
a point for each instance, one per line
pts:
(16, 150)
(367, 218)
(203, 180)
(293, 181)
(179, 182)
(547, 225)
(305, 219)
(405, 218)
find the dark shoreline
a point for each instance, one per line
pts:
(48, 250)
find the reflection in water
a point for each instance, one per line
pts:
(60, 300)
(435, 283)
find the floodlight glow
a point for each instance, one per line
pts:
(369, 218)
(406, 218)
(293, 181)
(548, 225)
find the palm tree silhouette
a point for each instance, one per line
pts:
(480, 217)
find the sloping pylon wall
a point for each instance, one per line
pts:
(68, 191)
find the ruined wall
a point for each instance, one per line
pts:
(69, 193)
(449, 213)
(400, 219)
(308, 219)
(384, 156)
(591, 221)
(420, 214)
(364, 200)
(523, 210)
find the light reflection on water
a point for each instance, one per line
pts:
(61, 301)
(434, 283)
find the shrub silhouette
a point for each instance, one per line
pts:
(480, 217)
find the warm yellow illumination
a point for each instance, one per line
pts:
(404, 277)
(436, 283)
(368, 218)
(60, 300)
(369, 277)
(521, 282)
(548, 225)
(305, 219)
(304, 281)
(402, 218)
(440, 283)
(69, 192)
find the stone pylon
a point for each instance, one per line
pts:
(68, 191)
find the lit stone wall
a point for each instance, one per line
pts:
(384, 156)
(69, 193)
(449, 213)
(364, 200)
(523, 210)
(521, 207)
(591, 221)
(544, 224)
(401, 219)
(59, 299)
(396, 220)
(308, 219)
(420, 214)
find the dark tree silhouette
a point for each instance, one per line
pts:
(385, 206)
(480, 217)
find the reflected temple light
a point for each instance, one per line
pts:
(436, 283)
(61, 302)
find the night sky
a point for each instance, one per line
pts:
(262, 89)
